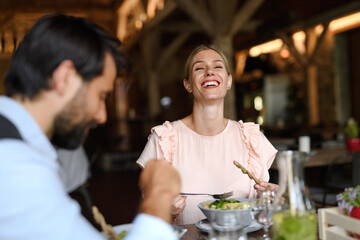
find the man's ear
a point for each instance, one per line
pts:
(63, 77)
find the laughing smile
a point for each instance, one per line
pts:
(210, 83)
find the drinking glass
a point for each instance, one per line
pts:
(262, 211)
(226, 227)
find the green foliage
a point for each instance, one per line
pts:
(349, 199)
(352, 129)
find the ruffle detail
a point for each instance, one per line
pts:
(167, 140)
(251, 136)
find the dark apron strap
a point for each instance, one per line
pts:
(8, 129)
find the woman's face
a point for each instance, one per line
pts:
(208, 78)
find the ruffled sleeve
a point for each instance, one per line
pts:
(261, 153)
(251, 137)
(167, 140)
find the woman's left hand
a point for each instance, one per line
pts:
(266, 186)
(178, 206)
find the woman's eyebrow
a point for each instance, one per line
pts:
(218, 60)
(201, 61)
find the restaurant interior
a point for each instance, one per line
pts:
(295, 66)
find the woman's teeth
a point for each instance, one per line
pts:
(210, 84)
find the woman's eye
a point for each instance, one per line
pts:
(218, 67)
(198, 68)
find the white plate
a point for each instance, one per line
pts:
(179, 231)
(204, 225)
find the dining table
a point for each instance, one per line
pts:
(324, 157)
(193, 233)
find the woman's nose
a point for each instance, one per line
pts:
(209, 72)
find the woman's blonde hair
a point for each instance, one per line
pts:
(200, 48)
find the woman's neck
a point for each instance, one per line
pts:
(206, 120)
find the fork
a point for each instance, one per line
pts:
(216, 196)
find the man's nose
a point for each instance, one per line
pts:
(101, 115)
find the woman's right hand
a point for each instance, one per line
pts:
(178, 206)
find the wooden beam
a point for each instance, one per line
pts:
(313, 94)
(250, 26)
(318, 43)
(170, 50)
(289, 43)
(63, 9)
(180, 26)
(223, 14)
(327, 16)
(4, 20)
(244, 14)
(130, 41)
(170, 6)
(198, 14)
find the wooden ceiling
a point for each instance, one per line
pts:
(30, 6)
(21, 14)
(263, 19)
(293, 15)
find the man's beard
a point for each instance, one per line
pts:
(69, 135)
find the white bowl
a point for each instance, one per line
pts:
(225, 217)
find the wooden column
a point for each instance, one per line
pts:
(151, 77)
(225, 44)
(307, 60)
(312, 94)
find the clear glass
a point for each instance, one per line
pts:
(262, 211)
(293, 213)
(227, 227)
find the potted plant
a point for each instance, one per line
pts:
(349, 203)
(352, 135)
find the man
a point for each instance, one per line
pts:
(56, 85)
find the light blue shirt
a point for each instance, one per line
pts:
(33, 202)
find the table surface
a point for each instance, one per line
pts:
(194, 233)
(324, 156)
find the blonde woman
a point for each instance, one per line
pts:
(203, 145)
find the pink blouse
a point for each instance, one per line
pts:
(205, 163)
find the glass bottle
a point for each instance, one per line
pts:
(294, 214)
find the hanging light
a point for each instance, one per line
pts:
(268, 47)
(345, 23)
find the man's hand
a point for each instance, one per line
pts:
(160, 183)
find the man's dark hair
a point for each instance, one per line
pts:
(53, 39)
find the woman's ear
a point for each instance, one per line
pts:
(187, 85)
(229, 82)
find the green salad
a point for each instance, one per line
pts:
(122, 235)
(227, 204)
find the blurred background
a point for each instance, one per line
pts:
(294, 64)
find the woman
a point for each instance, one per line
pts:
(203, 145)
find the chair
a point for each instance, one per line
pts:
(337, 179)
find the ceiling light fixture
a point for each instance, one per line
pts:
(345, 23)
(268, 47)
